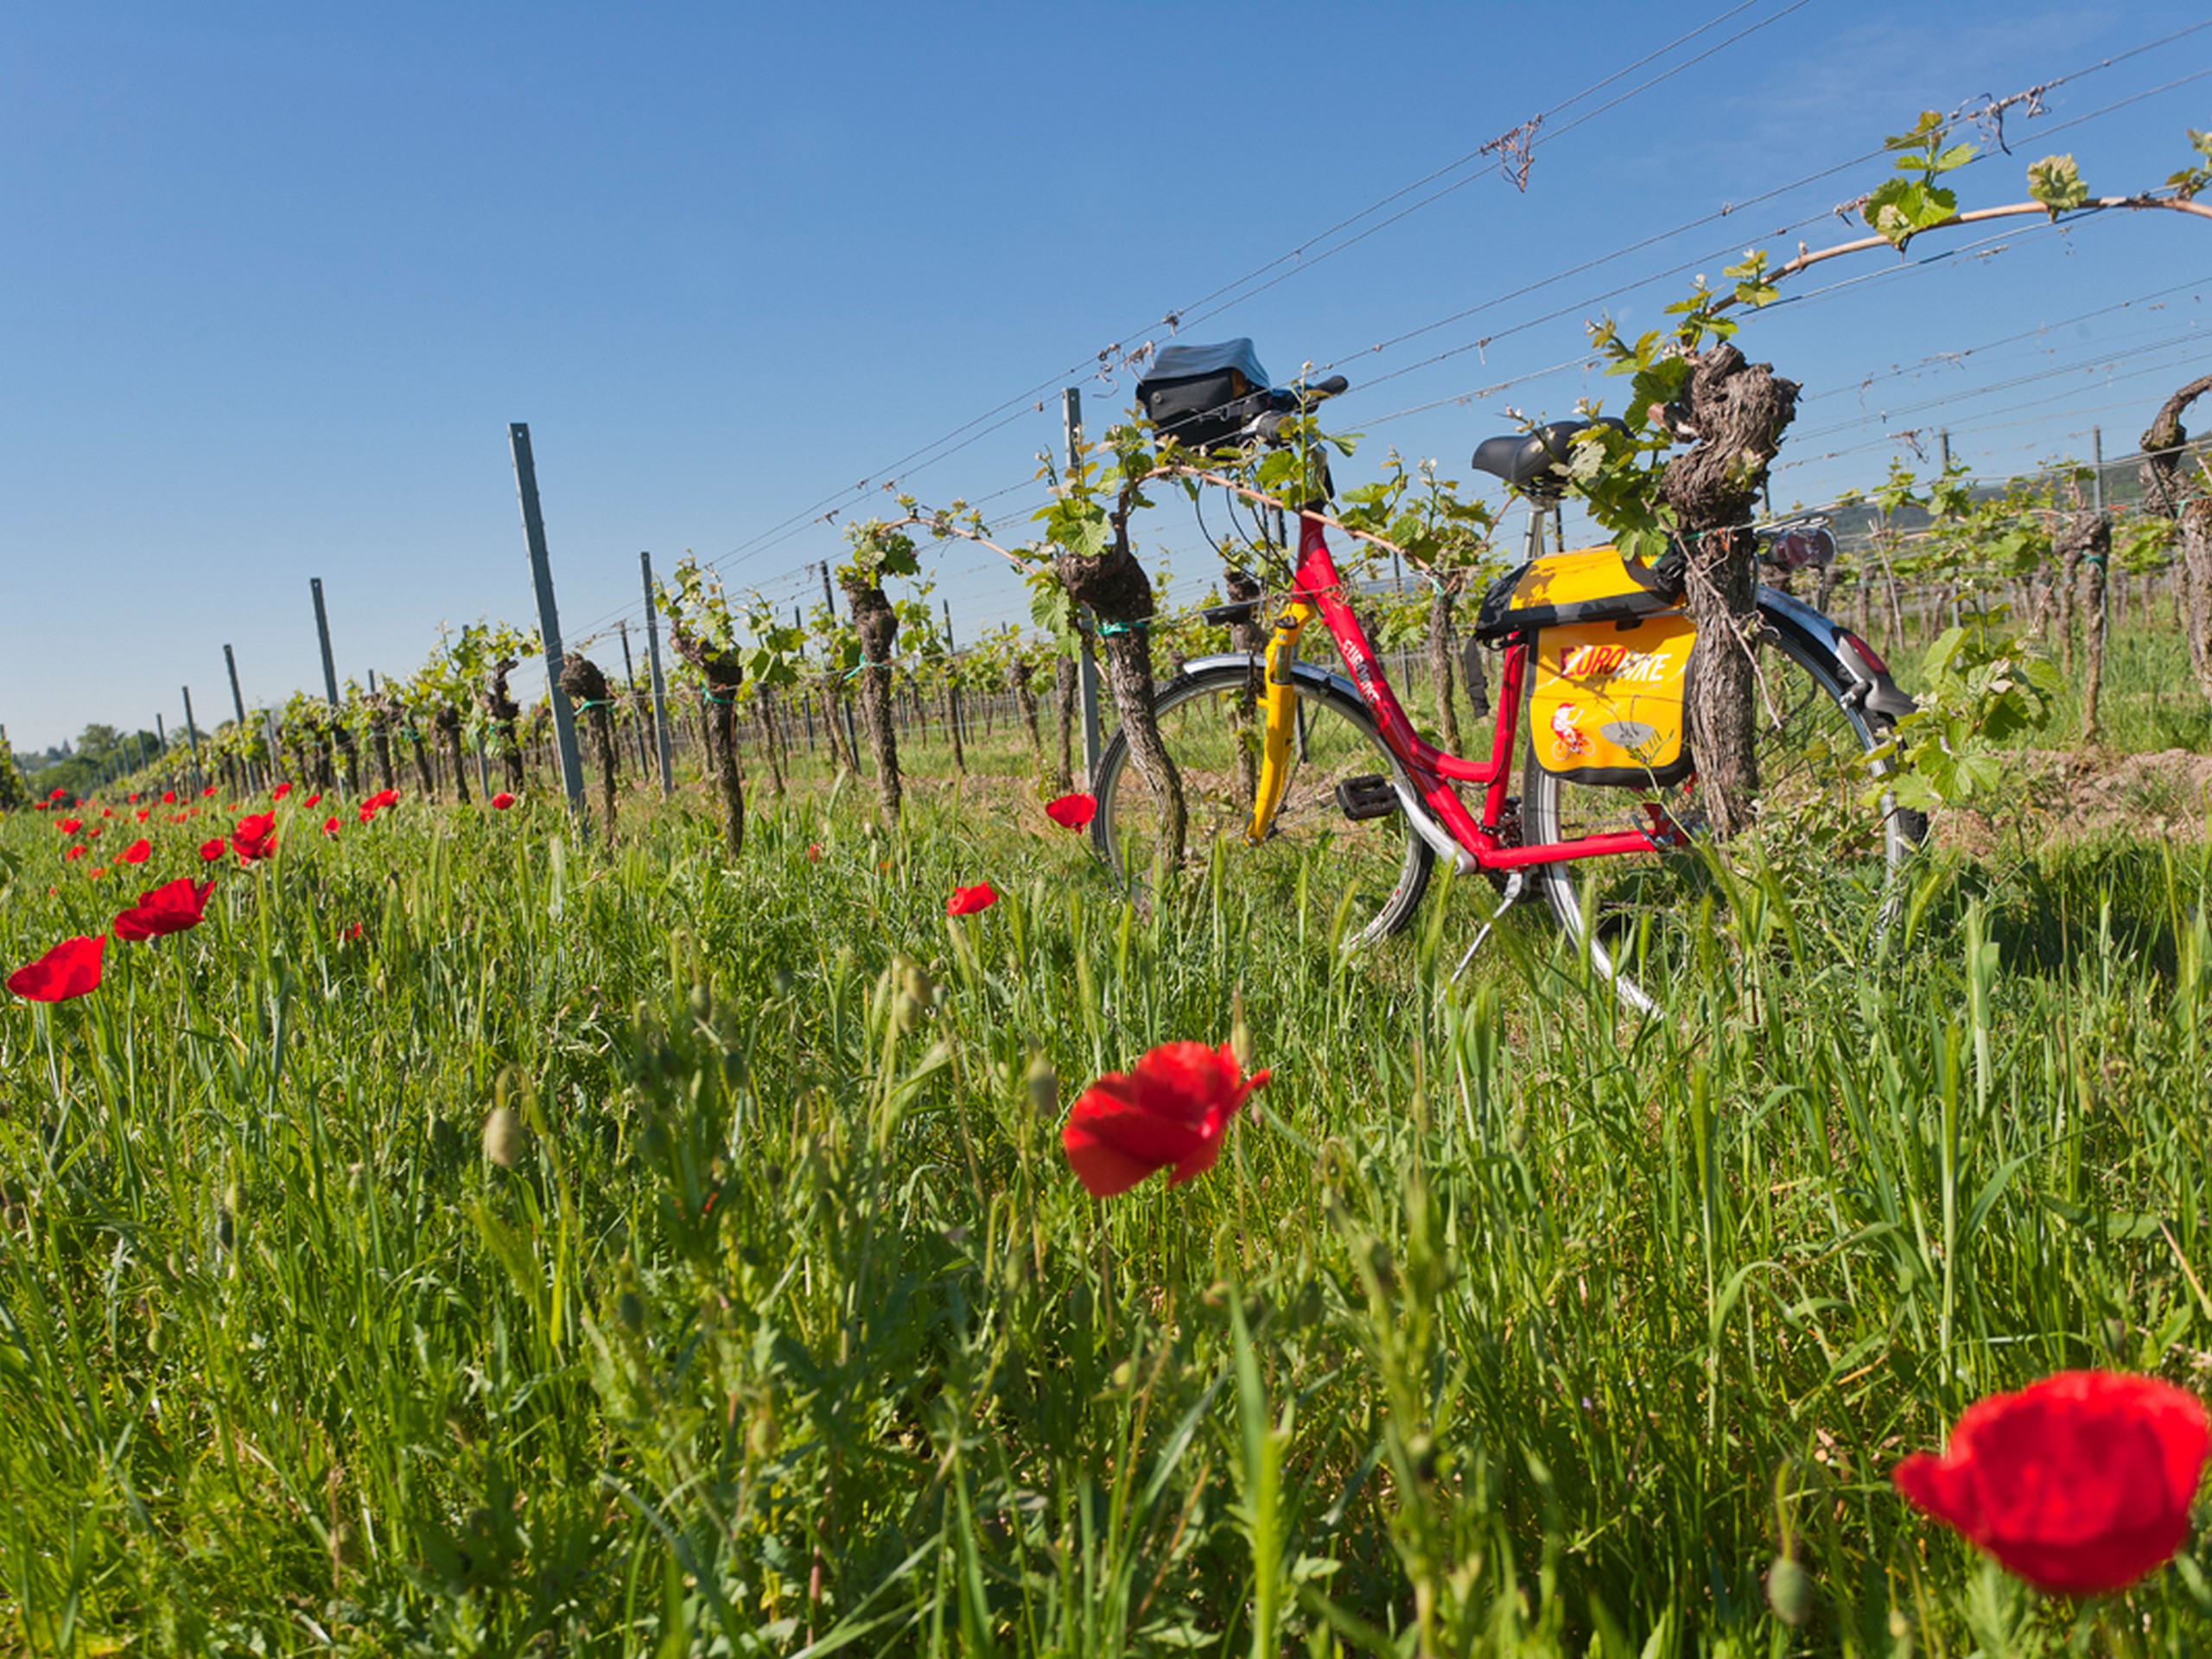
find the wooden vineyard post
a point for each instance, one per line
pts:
(548, 621)
(192, 736)
(237, 705)
(322, 639)
(630, 679)
(344, 734)
(660, 687)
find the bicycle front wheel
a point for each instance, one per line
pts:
(1647, 918)
(1325, 861)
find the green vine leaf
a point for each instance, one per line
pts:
(2190, 180)
(2055, 182)
(1752, 288)
(1899, 208)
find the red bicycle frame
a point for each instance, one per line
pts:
(1317, 588)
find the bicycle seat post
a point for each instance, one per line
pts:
(1538, 505)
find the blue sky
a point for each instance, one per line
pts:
(276, 279)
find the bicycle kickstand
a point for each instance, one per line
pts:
(1513, 885)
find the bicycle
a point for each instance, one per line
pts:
(1320, 777)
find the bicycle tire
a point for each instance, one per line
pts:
(1317, 861)
(1640, 917)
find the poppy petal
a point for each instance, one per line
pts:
(71, 968)
(1103, 1168)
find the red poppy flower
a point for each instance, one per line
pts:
(93, 831)
(353, 933)
(385, 797)
(2079, 1484)
(71, 968)
(314, 799)
(76, 850)
(502, 801)
(70, 826)
(255, 837)
(168, 798)
(143, 813)
(366, 812)
(280, 792)
(814, 852)
(107, 811)
(1171, 1110)
(966, 901)
(136, 852)
(211, 850)
(56, 792)
(167, 909)
(1071, 812)
(96, 873)
(330, 825)
(208, 793)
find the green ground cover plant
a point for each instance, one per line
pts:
(469, 1239)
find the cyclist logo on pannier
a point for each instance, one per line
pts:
(1568, 738)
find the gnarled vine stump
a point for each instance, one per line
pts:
(877, 625)
(1736, 413)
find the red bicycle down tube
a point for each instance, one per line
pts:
(1316, 578)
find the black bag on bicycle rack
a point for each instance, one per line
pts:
(1204, 396)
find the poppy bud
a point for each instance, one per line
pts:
(630, 1311)
(1420, 1452)
(502, 1137)
(1240, 1034)
(702, 1001)
(1043, 1083)
(911, 995)
(760, 1433)
(1381, 1264)
(1789, 1591)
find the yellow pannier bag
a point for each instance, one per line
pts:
(1605, 706)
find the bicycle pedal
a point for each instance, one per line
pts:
(1369, 796)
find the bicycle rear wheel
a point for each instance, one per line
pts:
(1360, 878)
(1645, 918)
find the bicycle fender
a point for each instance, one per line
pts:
(1878, 692)
(1311, 673)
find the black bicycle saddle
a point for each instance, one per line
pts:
(1536, 462)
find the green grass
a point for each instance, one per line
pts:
(1506, 1325)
